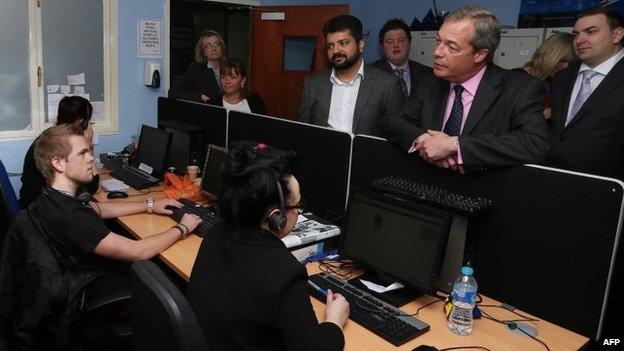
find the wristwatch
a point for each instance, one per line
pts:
(150, 205)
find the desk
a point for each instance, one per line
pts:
(181, 256)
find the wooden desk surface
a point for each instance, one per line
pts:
(181, 256)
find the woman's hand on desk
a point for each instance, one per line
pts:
(190, 221)
(336, 309)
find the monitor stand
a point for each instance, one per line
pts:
(454, 254)
(396, 298)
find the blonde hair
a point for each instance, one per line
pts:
(54, 142)
(556, 48)
(199, 52)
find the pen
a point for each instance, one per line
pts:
(318, 288)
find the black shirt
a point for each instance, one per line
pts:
(250, 293)
(75, 229)
(33, 181)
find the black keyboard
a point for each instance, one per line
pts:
(381, 318)
(209, 217)
(432, 195)
(134, 178)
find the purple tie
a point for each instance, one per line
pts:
(583, 93)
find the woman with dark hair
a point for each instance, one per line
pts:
(200, 82)
(71, 109)
(248, 291)
(235, 95)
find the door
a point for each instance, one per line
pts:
(287, 45)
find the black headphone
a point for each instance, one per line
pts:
(276, 219)
(84, 197)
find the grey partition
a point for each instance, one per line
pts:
(323, 156)
(547, 247)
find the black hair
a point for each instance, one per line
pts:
(72, 109)
(614, 18)
(344, 22)
(250, 187)
(392, 24)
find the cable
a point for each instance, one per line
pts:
(437, 299)
(512, 324)
(525, 318)
(466, 348)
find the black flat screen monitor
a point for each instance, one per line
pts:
(396, 239)
(153, 149)
(212, 119)
(212, 180)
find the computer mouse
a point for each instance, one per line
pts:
(425, 348)
(117, 195)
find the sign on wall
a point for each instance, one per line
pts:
(150, 38)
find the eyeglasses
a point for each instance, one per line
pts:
(211, 46)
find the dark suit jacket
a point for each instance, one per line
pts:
(256, 105)
(417, 72)
(250, 293)
(593, 141)
(379, 94)
(197, 80)
(505, 125)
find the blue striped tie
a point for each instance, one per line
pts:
(454, 122)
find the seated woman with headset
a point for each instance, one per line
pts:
(71, 109)
(248, 291)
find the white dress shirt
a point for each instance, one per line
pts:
(242, 106)
(602, 69)
(343, 99)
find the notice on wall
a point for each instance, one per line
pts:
(149, 37)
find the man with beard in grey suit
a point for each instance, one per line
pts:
(351, 96)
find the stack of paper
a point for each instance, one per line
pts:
(309, 231)
(114, 185)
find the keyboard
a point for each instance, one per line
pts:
(381, 318)
(134, 177)
(209, 217)
(431, 195)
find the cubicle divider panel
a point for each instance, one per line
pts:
(323, 156)
(212, 119)
(549, 244)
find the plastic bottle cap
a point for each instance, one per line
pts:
(467, 271)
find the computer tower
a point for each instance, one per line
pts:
(188, 144)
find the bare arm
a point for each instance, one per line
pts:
(118, 209)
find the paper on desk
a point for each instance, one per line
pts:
(114, 185)
(379, 288)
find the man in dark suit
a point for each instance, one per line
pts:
(350, 97)
(395, 40)
(587, 132)
(471, 113)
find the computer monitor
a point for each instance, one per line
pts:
(212, 181)
(395, 240)
(212, 119)
(153, 149)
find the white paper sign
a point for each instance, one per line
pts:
(53, 88)
(76, 79)
(65, 89)
(149, 37)
(98, 110)
(53, 102)
(79, 89)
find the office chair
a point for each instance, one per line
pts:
(8, 194)
(162, 318)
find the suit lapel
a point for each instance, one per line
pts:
(325, 98)
(366, 86)
(487, 92)
(612, 80)
(439, 105)
(568, 84)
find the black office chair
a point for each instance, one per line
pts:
(162, 318)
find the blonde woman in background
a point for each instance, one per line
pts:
(201, 81)
(553, 55)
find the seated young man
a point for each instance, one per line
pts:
(76, 228)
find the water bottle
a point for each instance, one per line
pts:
(464, 296)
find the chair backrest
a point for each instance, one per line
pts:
(162, 318)
(8, 194)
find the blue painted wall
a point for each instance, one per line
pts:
(137, 103)
(374, 13)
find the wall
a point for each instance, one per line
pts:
(373, 14)
(137, 103)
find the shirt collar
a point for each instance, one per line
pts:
(335, 80)
(404, 66)
(605, 67)
(472, 83)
